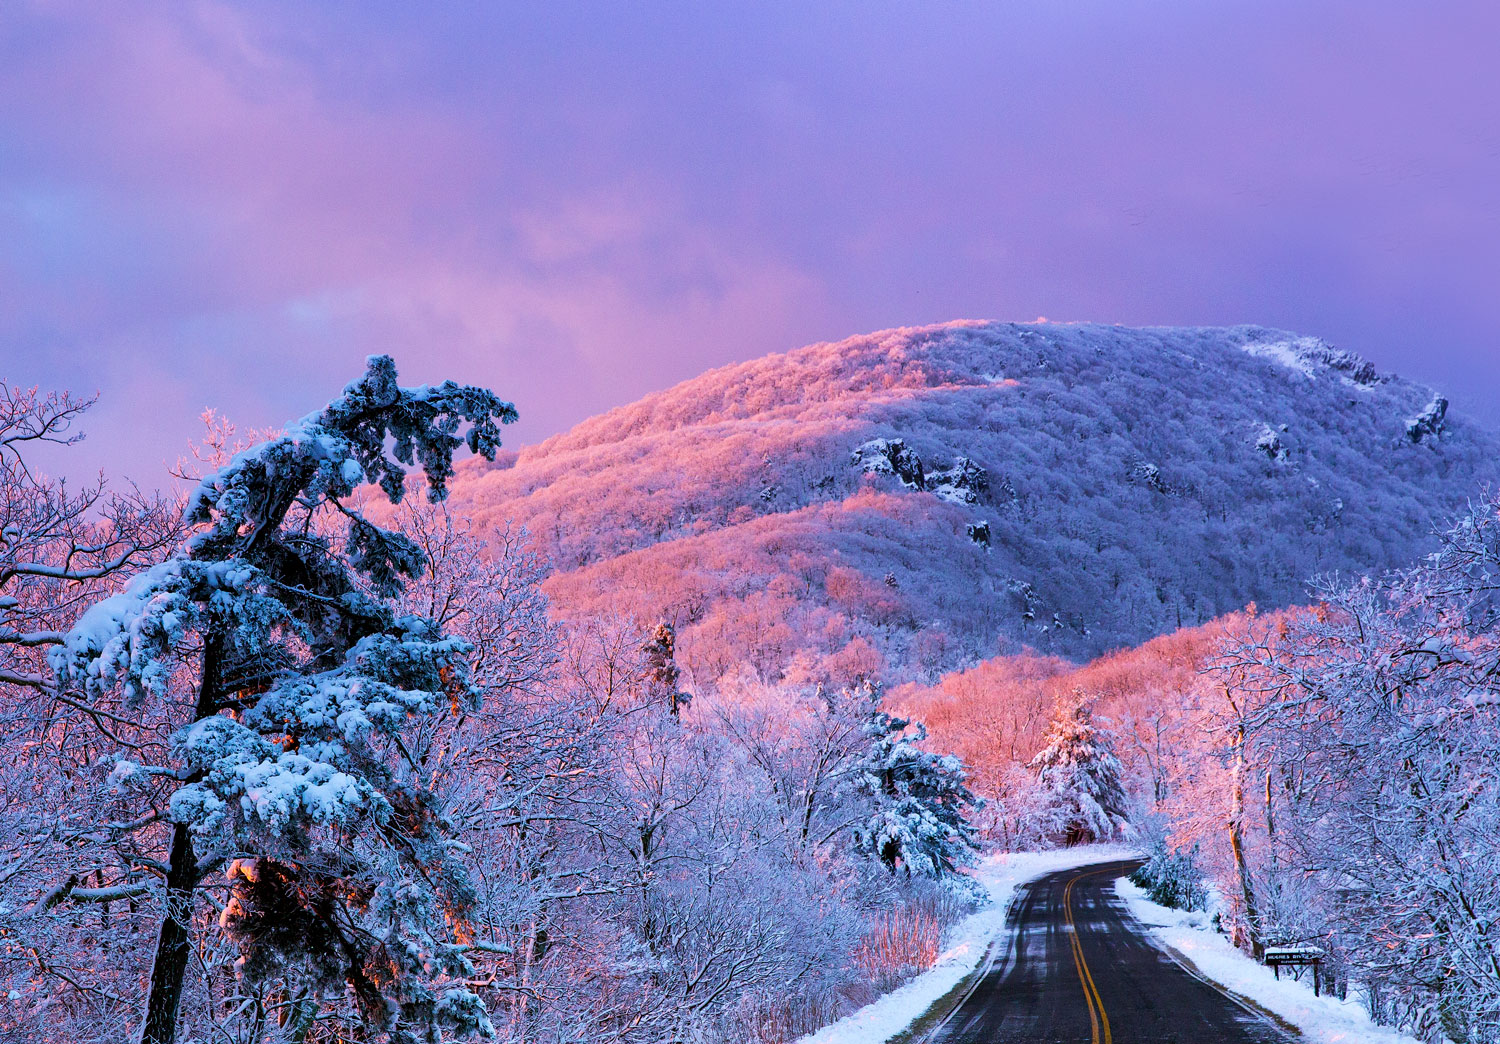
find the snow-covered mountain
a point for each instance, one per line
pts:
(910, 500)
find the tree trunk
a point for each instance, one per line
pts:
(644, 865)
(172, 949)
(173, 943)
(1236, 845)
(1270, 813)
(1272, 861)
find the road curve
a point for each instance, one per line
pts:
(1078, 969)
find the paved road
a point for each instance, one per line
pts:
(1080, 971)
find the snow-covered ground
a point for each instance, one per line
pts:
(1322, 1020)
(968, 942)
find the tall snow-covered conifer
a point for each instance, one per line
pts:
(917, 824)
(274, 650)
(1080, 776)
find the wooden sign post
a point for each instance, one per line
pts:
(1278, 957)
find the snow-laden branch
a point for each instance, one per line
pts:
(25, 679)
(70, 890)
(31, 638)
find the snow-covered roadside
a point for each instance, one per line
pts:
(968, 941)
(1322, 1020)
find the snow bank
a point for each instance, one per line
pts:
(1322, 1020)
(968, 942)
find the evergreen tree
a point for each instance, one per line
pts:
(1079, 776)
(274, 649)
(662, 672)
(917, 823)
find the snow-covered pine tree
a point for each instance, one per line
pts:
(1079, 776)
(275, 652)
(917, 823)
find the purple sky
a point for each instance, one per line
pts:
(204, 204)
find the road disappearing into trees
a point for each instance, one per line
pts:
(1078, 969)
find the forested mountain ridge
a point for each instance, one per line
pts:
(905, 501)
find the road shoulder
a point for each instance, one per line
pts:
(922, 1003)
(1190, 940)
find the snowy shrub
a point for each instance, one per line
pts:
(1172, 878)
(905, 939)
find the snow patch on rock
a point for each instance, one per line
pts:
(1268, 441)
(979, 532)
(1289, 354)
(890, 457)
(1309, 355)
(963, 483)
(1430, 422)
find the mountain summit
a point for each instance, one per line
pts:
(909, 500)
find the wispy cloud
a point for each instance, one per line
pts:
(578, 203)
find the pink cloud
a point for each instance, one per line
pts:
(580, 205)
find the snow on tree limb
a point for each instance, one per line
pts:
(291, 765)
(329, 453)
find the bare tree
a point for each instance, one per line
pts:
(1377, 717)
(69, 872)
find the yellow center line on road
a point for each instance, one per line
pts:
(1097, 1016)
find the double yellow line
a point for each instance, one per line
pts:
(1097, 1017)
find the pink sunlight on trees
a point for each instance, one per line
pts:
(731, 700)
(1067, 488)
(293, 774)
(688, 724)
